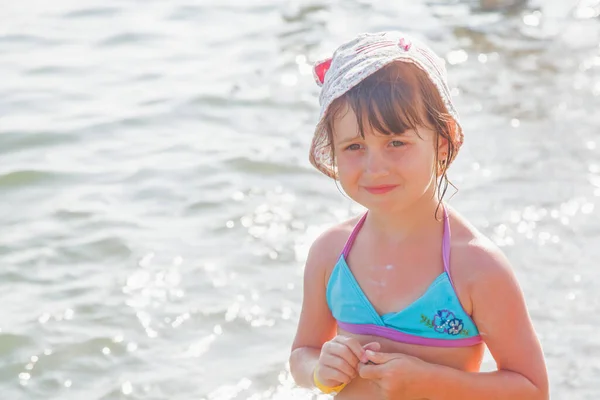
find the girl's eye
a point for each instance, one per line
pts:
(397, 143)
(354, 146)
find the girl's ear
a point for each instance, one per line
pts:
(443, 142)
(442, 147)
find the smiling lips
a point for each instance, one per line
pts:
(380, 189)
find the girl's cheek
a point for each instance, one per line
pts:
(346, 159)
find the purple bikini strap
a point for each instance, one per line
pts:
(445, 241)
(446, 245)
(350, 240)
(395, 335)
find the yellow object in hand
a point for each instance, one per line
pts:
(326, 389)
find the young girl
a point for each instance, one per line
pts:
(400, 302)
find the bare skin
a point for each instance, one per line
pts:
(396, 256)
(372, 272)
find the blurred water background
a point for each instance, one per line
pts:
(156, 202)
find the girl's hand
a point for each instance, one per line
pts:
(397, 375)
(339, 359)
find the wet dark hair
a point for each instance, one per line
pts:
(397, 98)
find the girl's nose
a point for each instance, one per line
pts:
(375, 163)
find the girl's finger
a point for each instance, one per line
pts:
(332, 376)
(353, 345)
(372, 372)
(340, 350)
(373, 346)
(338, 363)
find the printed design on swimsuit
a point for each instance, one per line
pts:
(444, 321)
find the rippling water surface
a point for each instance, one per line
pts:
(157, 202)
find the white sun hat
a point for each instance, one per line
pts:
(359, 58)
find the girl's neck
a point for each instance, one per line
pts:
(414, 221)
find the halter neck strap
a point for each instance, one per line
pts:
(445, 241)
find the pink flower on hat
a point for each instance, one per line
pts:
(320, 69)
(405, 44)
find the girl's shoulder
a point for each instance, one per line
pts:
(473, 256)
(328, 246)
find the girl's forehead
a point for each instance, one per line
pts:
(345, 118)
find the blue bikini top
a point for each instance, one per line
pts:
(437, 318)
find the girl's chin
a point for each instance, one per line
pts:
(379, 201)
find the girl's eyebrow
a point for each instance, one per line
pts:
(350, 139)
(406, 133)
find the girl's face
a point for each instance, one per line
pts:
(382, 171)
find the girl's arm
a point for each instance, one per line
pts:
(501, 316)
(500, 313)
(317, 326)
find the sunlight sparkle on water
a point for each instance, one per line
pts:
(127, 388)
